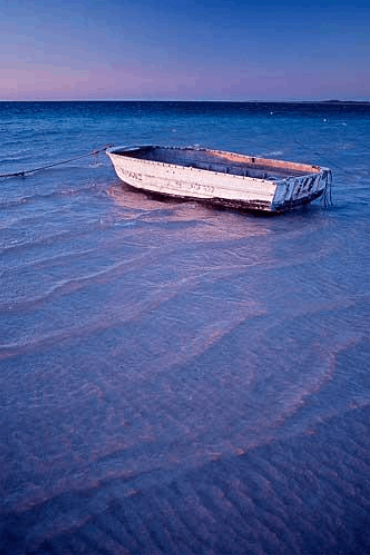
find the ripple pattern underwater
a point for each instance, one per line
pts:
(177, 378)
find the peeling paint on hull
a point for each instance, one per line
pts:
(222, 178)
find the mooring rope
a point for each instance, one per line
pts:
(326, 197)
(23, 173)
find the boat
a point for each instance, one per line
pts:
(224, 178)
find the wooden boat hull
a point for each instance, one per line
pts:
(233, 180)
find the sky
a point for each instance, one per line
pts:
(185, 50)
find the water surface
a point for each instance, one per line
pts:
(176, 378)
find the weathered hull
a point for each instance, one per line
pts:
(223, 178)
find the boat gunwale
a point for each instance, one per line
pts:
(268, 163)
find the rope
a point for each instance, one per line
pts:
(327, 194)
(23, 173)
(326, 197)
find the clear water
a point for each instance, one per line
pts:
(176, 378)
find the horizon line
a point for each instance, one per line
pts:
(291, 101)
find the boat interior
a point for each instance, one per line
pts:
(218, 161)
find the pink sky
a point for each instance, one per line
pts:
(161, 50)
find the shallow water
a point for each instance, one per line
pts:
(173, 377)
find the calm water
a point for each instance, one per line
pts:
(176, 378)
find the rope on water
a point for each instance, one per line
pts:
(328, 176)
(326, 197)
(23, 173)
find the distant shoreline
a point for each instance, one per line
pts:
(341, 102)
(325, 102)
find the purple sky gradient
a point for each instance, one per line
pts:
(157, 49)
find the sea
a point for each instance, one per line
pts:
(174, 377)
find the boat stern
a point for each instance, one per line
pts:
(293, 192)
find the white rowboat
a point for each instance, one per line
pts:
(226, 178)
